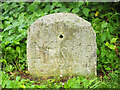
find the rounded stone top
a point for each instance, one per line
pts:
(63, 18)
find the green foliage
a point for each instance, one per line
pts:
(17, 83)
(75, 82)
(17, 17)
(86, 11)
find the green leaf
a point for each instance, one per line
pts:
(59, 5)
(22, 86)
(66, 85)
(103, 37)
(75, 10)
(111, 28)
(107, 43)
(2, 17)
(96, 85)
(10, 84)
(33, 86)
(108, 35)
(18, 78)
(8, 48)
(31, 7)
(111, 56)
(80, 4)
(113, 40)
(112, 47)
(102, 54)
(104, 25)
(86, 11)
(63, 9)
(16, 42)
(7, 28)
(1, 25)
(18, 49)
(22, 67)
(47, 8)
(91, 81)
(15, 23)
(3, 60)
(107, 68)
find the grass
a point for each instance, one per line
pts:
(22, 79)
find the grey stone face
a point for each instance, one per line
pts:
(61, 44)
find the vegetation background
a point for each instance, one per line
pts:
(16, 17)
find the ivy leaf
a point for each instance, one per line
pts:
(31, 7)
(15, 23)
(16, 42)
(1, 25)
(75, 10)
(47, 8)
(8, 48)
(112, 47)
(104, 25)
(59, 5)
(62, 9)
(7, 28)
(80, 4)
(18, 49)
(86, 11)
(107, 43)
(3, 60)
(103, 37)
(102, 54)
(113, 40)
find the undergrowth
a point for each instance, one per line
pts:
(16, 17)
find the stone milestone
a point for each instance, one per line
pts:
(61, 44)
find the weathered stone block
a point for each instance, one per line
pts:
(61, 44)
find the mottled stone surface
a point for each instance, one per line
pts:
(61, 44)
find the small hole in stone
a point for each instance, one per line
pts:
(59, 65)
(61, 36)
